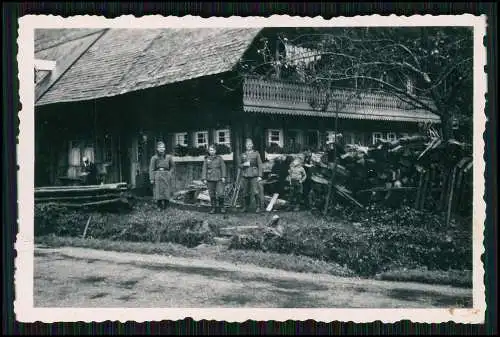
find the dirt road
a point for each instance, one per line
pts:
(80, 277)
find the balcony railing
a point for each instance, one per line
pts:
(272, 93)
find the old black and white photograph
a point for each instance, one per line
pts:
(252, 166)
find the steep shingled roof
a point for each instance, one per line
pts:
(125, 60)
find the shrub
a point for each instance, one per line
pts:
(181, 151)
(222, 149)
(385, 239)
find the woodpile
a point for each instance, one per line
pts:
(84, 196)
(425, 169)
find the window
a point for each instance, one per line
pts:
(201, 139)
(74, 154)
(410, 88)
(312, 139)
(350, 138)
(181, 139)
(330, 136)
(78, 150)
(107, 151)
(391, 136)
(275, 136)
(223, 137)
(376, 137)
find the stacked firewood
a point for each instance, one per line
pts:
(84, 196)
(417, 167)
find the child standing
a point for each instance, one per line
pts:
(214, 175)
(296, 176)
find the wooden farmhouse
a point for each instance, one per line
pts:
(110, 94)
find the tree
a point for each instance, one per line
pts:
(428, 68)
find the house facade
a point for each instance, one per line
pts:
(113, 93)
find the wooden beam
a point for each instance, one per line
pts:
(63, 65)
(45, 65)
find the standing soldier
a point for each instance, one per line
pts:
(251, 169)
(214, 175)
(161, 175)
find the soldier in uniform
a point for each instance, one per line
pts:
(161, 175)
(214, 175)
(251, 171)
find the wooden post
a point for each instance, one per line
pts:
(442, 198)
(425, 188)
(334, 170)
(236, 135)
(450, 197)
(119, 159)
(419, 190)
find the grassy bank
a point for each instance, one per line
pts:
(268, 260)
(387, 243)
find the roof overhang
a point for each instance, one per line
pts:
(395, 116)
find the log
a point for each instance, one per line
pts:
(97, 203)
(273, 221)
(387, 189)
(350, 198)
(269, 207)
(86, 227)
(450, 198)
(92, 197)
(83, 187)
(75, 192)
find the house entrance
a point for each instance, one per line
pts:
(312, 139)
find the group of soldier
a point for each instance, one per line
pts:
(214, 175)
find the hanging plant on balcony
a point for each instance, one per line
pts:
(320, 98)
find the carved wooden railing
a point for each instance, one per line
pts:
(293, 95)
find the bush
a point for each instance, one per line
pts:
(182, 151)
(385, 239)
(144, 225)
(222, 149)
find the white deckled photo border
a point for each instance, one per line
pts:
(24, 271)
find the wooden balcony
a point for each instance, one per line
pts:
(276, 97)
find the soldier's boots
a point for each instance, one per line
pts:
(221, 205)
(246, 201)
(214, 206)
(258, 204)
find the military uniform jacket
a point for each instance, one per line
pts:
(214, 168)
(255, 168)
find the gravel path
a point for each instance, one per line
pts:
(81, 277)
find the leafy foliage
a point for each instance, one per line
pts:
(382, 239)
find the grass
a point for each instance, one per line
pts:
(388, 244)
(458, 278)
(261, 259)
